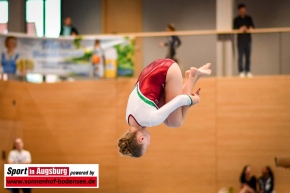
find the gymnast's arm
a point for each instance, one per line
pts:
(159, 116)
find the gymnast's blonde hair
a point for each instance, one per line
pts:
(129, 145)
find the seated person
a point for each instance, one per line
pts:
(248, 181)
(19, 156)
(266, 181)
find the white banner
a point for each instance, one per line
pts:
(94, 56)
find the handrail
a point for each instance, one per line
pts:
(160, 34)
(202, 32)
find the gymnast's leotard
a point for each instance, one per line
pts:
(143, 100)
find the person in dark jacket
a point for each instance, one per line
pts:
(248, 180)
(245, 24)
(172, 43)
(266, 181)
(67, 29)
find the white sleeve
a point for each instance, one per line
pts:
(159, 116)
(11, 158)
(28, 157)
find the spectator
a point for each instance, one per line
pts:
(67, 29)
(266, 181)
(19, 156)
(172, 43)
(245, 24)
(9, 58)
(248, 181)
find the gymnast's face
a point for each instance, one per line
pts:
(144, 138)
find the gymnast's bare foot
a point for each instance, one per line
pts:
(187, 74)
(194, 71)
(202, 71)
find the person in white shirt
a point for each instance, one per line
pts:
(19, 156)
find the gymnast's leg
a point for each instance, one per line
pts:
(174, 87)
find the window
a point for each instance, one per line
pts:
(3, 16)
(52, 18)
(45, 14)
(34, 14)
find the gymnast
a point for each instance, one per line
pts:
(159, 96)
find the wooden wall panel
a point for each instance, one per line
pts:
(73, 123)
(253, 119)
(238, 122)
(129, 12)
(10, 99)
(10, 122)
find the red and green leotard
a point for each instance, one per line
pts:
(144, 99)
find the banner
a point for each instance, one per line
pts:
(84, 56)
(51, 176)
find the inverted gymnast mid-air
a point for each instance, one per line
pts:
(159, 96)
